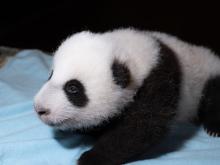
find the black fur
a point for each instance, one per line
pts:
(77, 97)
(145, 121)
(120, 74)
(209, 110)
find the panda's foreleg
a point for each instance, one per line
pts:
(132, 137)
(145, 121)
(209, 111)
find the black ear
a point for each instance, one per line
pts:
(121, 74)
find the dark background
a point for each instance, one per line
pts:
(45, 24)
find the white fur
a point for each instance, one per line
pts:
(88, 57)
(198, 64)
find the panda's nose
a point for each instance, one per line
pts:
(42, 111)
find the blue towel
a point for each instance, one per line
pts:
(25, 140)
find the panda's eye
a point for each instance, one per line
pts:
(51, 74)
(72, 89)
(76, 93)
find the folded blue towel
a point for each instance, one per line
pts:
(25, 140)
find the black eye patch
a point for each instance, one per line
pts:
(51, 74)
(75, 93)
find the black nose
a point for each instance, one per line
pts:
(42, 111)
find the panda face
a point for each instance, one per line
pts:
(87, 86)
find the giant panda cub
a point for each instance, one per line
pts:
(132, 85)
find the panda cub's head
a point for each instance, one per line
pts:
(88, 84)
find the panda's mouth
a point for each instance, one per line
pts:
(58, 124)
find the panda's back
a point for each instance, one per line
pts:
(198, 65)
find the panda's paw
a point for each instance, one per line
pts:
(212, 130)
(92, 158)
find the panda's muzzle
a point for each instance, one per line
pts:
(42, 111)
